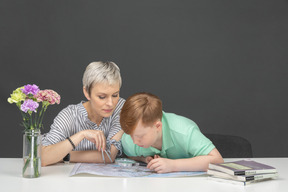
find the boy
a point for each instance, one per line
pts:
(167, 142)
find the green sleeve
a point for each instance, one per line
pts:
(199, 144)
(128, 145)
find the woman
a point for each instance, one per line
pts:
(80, 132)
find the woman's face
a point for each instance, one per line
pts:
(103, 98)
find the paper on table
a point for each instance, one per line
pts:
(115, 170)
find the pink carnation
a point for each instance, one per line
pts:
(48, 95)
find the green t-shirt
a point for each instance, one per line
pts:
(181, 138)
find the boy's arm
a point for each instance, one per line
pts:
(199, 163)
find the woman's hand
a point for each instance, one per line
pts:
(97, 137)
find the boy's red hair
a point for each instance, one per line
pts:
(140, 106)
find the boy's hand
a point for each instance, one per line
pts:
(161, 165)
(149, 158)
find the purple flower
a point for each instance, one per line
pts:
(30, 89)
(30, 105)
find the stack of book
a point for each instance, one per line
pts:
(242, 172)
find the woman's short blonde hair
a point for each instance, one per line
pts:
(101, 72)
(144, 107)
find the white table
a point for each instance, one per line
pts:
(56, 178)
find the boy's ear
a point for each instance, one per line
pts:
(86, 93)
(158, 125)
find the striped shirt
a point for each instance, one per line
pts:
(74, 118)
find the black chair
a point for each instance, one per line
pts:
(231, 146)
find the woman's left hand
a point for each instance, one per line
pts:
(97, 137)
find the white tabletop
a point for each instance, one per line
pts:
(56, 178)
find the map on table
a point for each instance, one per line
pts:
(114, 170)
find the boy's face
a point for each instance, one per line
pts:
(147, 136)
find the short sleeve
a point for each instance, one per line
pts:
(198, 144)
(115, 127)
(117, 144)
(129, 148)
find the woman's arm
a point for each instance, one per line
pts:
(199, 163)
(55, 153)
(96, 156)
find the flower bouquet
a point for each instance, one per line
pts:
(27, 99)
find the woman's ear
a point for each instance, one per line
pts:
(86, 93)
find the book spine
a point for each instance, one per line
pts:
(240, 173)
(250, 178)
(254, 172)
(251, 172)
(259, 177)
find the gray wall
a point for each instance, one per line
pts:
(222, 63)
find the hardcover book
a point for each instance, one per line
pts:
(243, 167)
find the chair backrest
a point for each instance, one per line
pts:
(231, 146)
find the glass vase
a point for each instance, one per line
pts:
(31, 154)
